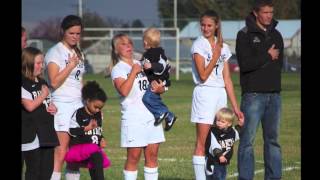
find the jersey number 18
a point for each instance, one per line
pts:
(143, 84)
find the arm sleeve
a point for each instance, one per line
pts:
(25, 94)
(226, 52)
(118, 73)
(237, 130)
(215, 147)
(217, 152)
(159, 67)
(249, 58)
(75, 129)
(52, 56)
(197, 48)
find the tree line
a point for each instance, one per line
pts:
(188, 10)
(227, 9)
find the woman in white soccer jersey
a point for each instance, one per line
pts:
(210, 72)
(65, 67)
(137, 130)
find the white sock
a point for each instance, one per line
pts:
(130, 175)
(55, 175)
(151, 173)
(199, 167)
(72, 175)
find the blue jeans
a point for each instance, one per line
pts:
(264, 107)
(219, 173)
(155, 105)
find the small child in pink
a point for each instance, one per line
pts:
(87, 142)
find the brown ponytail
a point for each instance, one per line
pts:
(79, 53)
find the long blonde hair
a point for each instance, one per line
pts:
(114, 54)
(28, 56)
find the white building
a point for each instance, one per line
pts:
(290, 30)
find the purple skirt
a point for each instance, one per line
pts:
(80, 153)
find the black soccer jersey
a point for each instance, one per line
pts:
(220, 142)
(80, 119)
(159, 65)
(39, 121)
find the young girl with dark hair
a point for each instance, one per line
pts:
(87, 141)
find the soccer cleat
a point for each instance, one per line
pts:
(161, 118)
(170, 124)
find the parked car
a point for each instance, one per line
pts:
(233, 64)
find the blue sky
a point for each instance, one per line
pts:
(34, 11)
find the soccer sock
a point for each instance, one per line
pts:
(151, 173)
(130, 175)
(199, 167)
(55, 175)
(72, 175)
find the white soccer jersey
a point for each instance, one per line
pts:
(70, 90)
(202, 47)
(132, 108)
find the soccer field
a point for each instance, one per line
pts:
(175, 155)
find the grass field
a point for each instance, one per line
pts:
(176, 153)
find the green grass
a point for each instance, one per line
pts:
(176, 153)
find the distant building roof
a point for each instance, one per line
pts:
(42, 44)
(230, 28)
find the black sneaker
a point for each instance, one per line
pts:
(161, 118)
(170, 124)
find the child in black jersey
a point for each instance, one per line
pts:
(87, 141)
(156, 67)
(38, 138)
(219, 144)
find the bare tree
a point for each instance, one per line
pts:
(227, 9)
(49, 29)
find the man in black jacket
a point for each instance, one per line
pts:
(259, 49)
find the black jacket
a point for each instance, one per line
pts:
(157, 70)
(258, 73)
(39, 121)
(226, 138)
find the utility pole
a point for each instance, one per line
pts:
(175, 14)
(175, 25)
(80, 8)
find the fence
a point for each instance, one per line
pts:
(98, 53)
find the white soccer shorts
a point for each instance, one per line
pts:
(63, 116)
(206, 101)
(142, 134)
